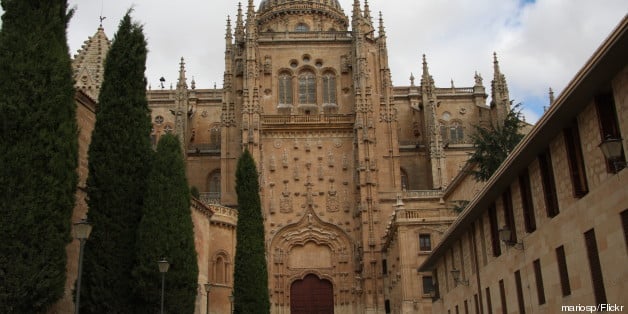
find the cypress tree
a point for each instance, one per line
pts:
(493, 144)
(119, 161)
(38, 153)
(250, 289)
(166, 231)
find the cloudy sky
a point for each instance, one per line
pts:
(540, 43)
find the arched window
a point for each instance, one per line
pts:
(213, 183)
(219, 270)
(301, 27)
(307, 88)
(404, 179)
(285, 90)
(214, 135)
(456, 133)
(329, 89)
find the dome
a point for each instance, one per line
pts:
(326, 14)
(268, 4)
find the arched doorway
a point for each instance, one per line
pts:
(311, 296)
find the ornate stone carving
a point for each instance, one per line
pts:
(321, 171)
(330, 158)
(284, 158)
(345, 162)
(285, 201)
(332, 199)
(272, 164)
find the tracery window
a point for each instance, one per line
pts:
(213, 183)
(285, 90)
(307, 88)
(456, 133)
(329, 89)
(214, 135)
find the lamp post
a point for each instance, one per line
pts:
(82, 229)
(231, 303)
(612, 148)
(163, 269)
(505, 235)
(455, 273)
(208, 287)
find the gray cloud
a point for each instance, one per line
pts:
(540, 43)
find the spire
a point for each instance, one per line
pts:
(551, 96)
(367, 11)
(382, 30)
(88, 63)
(496, 70)
(228, 33)
(250, 13)
(500, 102)
(181, 83)
(239, 30)
(426, 71)
(356, 10)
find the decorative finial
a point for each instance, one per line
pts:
(551, 96)
(496, 64)
(411, 79)
(452, 84)
(193, 83)
(425, 69)
(102, 18)
(367, 10)
(478, 79)
(382, 30)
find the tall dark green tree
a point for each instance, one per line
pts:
(119, 162)
(166, 231)
(38, 153)
(494, 143)
(250, 287)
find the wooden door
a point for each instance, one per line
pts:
(312, 296)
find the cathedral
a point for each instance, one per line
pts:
(359, 179)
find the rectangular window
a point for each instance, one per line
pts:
(522, 306)
(428, 285)
(457, 312)
(477, 303)
(489, 305)
(435, 284)
(384, 267)
(562, 271)
(549, 185)
(483, 242)
(607, 118)
(595, 267)
(576, 160)
(492, 215)
(540, 290)
(502, 294)
(425, 242)
(509, 215)
(526, 201)
(624, 222)
(387, 306)
(466, 307)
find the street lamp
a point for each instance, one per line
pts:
(208, 287)
(82, 229)
(231, 303)
(163, 269)
(455, 273)
(612, 148)
(505, 236)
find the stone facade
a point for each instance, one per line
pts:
(353, 170)
(570, 256)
